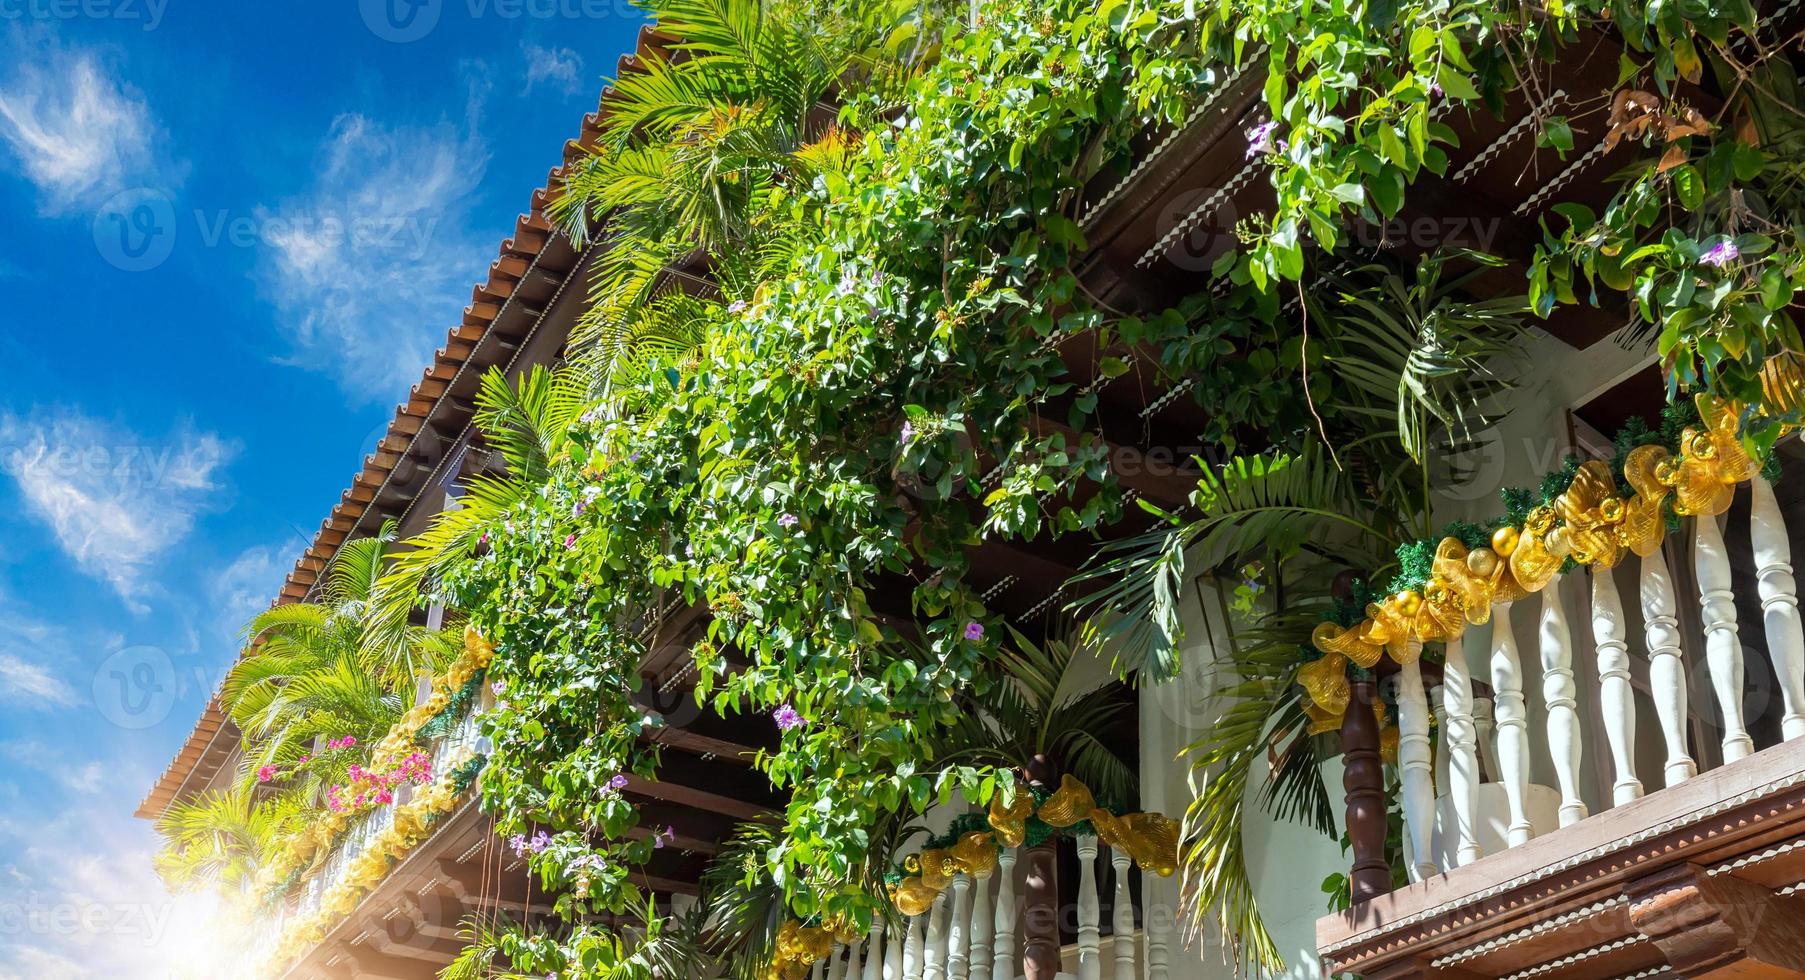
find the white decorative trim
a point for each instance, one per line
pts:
(1511, 939)
(1510, 135)
(1759, 857)
(1653, 971)
(1200, 213)
(1166, 399)
(1579, 957)
(1561, 179)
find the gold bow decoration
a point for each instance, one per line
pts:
(1011, 822)
(1357, 644)
(1644, 523)
(1712, 461)
(798, 948)
(1592, 512)
(1069, 804)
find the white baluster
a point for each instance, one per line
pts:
(958, 941)
(1616, 695)
(1122, 919)
(1158, 915)
(1090, 966)
(874, 950)
(1414, 758)
(836, 964)
(1463, 759)
(983, 927)
(1512, 715)
(854, 969)
(934, 959)
(914, 948)
(817, 971)
(1482, 730)
(1722, 649)
(893, 955)
(1438, 705)
(1779, 602)
(1002, 965)
(1558, 690)
(1666, 668)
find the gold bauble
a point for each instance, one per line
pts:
(1611, 509)
(1667, 472)
(1504, 540)
(1409, 602)
(1559, 542)
(1482, 561)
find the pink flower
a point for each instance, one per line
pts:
(266, 773)
(787, 520)
(974, 631)
(570, 542)
(1259, 139)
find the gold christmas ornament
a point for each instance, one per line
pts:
(1482, 562)
(1504, 540)
(1070, 803)
(1409, 603)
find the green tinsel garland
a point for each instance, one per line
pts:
(440, 725)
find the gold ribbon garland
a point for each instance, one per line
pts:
(1588, 522)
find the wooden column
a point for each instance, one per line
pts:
(1040, 889)
(1363, 779)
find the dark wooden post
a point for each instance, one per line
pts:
(1363, 779)
(1040, 912)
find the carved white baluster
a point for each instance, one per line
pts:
(1122, 918)
(1439, 707)
(836, 963)
(1722, 649)
(1482, 730)
(1666, 668)
(1779, 602)
(1513, 725)
(914, 948)
(1414, 758)
(1158, 915)
(958, 941)
(1558, 691)
(934, 957)
(874, 950)
(1003, 965)
(1616, 696)
(983, 927)
(893, 956)
(1463, 759)
(854, 969)
(817, 971)
(1090, 965)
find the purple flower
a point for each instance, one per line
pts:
(786, 718)
(974, 631)
(787, 520)
(585, 863)
(666, 836)
(570, 542)
(518, 843)
(618, 782)
(1259, 139)
(498, 687)
(539, 842)
(907, 432)
(848, 283)
(1721, 254)
(736, 307)
(592, 416)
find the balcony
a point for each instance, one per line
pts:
(1620, 824)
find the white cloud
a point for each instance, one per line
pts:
(25, 684)
(375, 260)
(245, 588)
(78, 133)
(114, 501)
(561, 66)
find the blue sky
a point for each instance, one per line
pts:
(233, 235)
